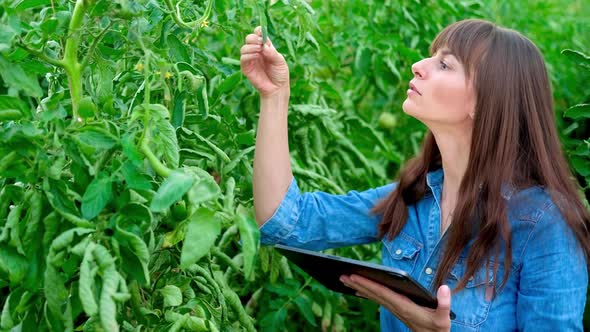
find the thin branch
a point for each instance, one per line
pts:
(174, 11)
(175, 16)
(94, 44)
(41, 55)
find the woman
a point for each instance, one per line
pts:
(489, 208)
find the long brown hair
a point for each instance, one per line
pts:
(514, 142)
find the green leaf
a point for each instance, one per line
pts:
(204, 189)
(86, 288)
(27, 4)
(14, 76)
(175, 236)
(7, 35)
(167, 143)
(8, 103)
(11, 228)
(49, 26)
(57, 293)
(203, 228)
(203, 101)
(79, 153)
(98, 194)
(130, 150)
(134, 178)
(577, 56)
(362, 61)
(7, 115)
(304, 306)
(137, 247)
(286, 289)
(87, 108)
(135, 217)
(581, 165)
(580, 111)
(274, 320)
(108, 308)
(98, 138)
(246, 137)
(56, 192)
(171, 190)
(14, 264)
(315, 110)
(6, 321)
(230, 82)
(250, 238)
(172, 296)
(105, 72)
(409, 17)
(178, 110)
(178, 51)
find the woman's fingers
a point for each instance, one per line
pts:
(253, 39)
(443, 311)
(249, 48)
(258, 30)
(249, 57)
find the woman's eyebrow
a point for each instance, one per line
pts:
(445, 52)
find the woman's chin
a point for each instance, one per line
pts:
(407, 107)
(411, 111)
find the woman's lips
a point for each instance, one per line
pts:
(413, 89)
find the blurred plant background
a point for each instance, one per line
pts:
(100, 230)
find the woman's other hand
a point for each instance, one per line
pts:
(416, 317)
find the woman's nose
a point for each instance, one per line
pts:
(418, 70)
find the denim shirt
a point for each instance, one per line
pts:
(548, 280)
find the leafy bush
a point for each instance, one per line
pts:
(127, 137)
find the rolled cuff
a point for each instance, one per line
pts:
(282, 222)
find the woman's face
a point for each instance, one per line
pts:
(442, 94)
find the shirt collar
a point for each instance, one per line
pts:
(436, 178)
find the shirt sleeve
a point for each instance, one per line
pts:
(318, 220)
(553, 278)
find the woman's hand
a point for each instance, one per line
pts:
(264, 67)
(417, 318)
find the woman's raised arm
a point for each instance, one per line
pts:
(268, 72)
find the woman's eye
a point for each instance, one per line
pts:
(443, 65)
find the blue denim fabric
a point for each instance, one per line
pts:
(548, 280)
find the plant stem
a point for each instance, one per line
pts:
(160, 168)
(70, 59)
(71, 65)
(144, 140)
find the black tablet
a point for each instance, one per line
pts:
(327, 269)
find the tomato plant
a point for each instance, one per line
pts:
(127, 136)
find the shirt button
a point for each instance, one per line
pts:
(398, 252)
(428, 270)
(470, 278)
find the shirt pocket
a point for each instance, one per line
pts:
(401, 252)
(471, 304)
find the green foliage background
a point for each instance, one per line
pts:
(137, 215)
